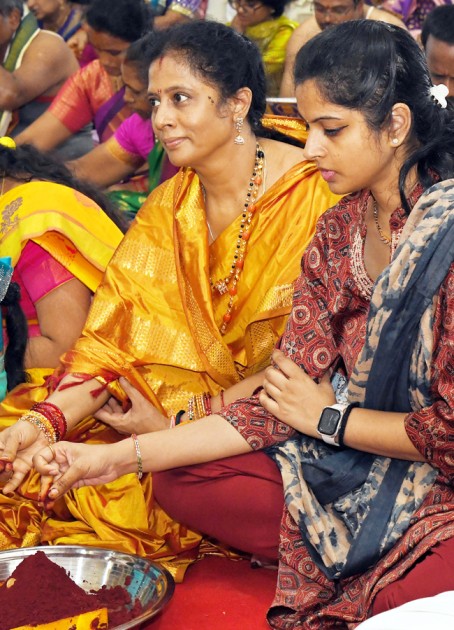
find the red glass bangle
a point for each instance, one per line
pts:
(54, 415)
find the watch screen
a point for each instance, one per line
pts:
(329, 421)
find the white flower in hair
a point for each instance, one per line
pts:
(439, 93)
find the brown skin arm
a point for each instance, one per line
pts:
(101, 167)
(168, 19)
(299, 37)
(61, 316)
(47, 63)
(46, 133)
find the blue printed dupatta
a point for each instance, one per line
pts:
(352, 507)
(6, 272)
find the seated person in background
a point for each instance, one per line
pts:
(328, 13)
(263, 22)
(437, 38)
(412, 12)
(168, 12)
(199, 290)
(68, 20)
(34, 65)
(59, 255)
(132, 144)
(94, 93)
(60, 16)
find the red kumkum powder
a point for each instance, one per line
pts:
(43, 592)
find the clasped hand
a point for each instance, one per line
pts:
(141, 417)
(67, 465)
(294, 397)
(18, 444)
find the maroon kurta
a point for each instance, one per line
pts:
(327, 328)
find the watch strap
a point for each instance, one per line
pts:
(343, 424)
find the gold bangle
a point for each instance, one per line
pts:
(139, 456)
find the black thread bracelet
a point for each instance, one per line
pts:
(343, 426)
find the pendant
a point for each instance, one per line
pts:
(221, 286)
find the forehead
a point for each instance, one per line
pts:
(105, 42)
(438, 52)
(131, 75)
(330, 4)
(172, 69)
(48, 4)
(314, 106)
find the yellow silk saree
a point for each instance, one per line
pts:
(155, 321)
(82, 238)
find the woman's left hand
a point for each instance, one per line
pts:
(293, 396)
(69, 465)
(142, 417)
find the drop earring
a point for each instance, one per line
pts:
(239, 126)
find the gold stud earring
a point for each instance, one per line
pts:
(239, 126)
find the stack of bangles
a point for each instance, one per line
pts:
(199, 406)
(49, 419)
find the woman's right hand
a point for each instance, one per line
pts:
(142, 417)
(78, 42)
(18, 445)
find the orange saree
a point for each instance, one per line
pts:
(155, 321)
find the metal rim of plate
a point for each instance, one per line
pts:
(165, 584)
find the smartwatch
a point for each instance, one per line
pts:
(330, 423)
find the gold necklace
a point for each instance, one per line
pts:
(382, 235)
(230, 282)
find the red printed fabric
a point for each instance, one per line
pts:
(326, 328)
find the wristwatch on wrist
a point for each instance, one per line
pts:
(330, 423)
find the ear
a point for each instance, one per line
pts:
(14, 19)
(400, 126)
(241, 102)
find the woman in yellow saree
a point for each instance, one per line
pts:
(238, 218)
(59, 242)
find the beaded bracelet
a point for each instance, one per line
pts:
(139, 456)
(191, 409)
(42, 423)
(199, 406)
(207, 404)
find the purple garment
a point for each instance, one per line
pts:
(135, 135)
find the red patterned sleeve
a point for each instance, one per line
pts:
(431, 429)
(308, 340)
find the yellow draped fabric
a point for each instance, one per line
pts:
(155, 320)
(77, 233)
(64, 222)
(272, 38)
